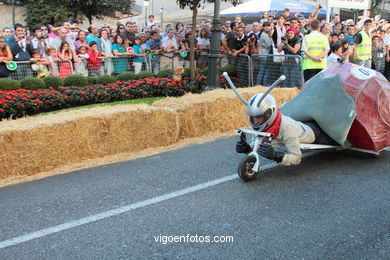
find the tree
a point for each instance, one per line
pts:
(194, 5)
(96, 8)
(39, 12)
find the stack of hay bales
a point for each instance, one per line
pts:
(34, 145)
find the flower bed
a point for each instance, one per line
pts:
(21, 102)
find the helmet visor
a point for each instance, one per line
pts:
(260, 122)
(257, 120)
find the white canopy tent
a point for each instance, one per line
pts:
(253, 6)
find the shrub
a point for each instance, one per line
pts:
(76, 81)
(204, 72)
(9, 84)
(32, 83)
(91, 80)
(187, 72)
(53, 81)
(126, 76)
(105, 79)
(230, 69)
(144, 74)
(167, 73)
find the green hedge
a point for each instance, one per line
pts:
(167, 73)
(76, 81)
(9, 84)
(230, 69)
(91, 80)
(53, 81)
(126, 76)
(205, 71)
(187, 72)
(32, 83)
(106, 79)
(144, 74)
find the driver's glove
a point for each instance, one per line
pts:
(242, 146)
(267, 151)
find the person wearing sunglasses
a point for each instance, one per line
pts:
(119, 29)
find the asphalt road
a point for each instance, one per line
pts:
(332, 206)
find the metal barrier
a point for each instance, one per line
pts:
(251, 70)
(24, 69)
(379, 62)
(267, 68)
(62, 68)
(243, 65)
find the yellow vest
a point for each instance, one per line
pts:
(316, 44)
(363, 50)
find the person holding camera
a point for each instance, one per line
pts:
(21, 49)
(291, 45)
(40, 40)
(252, 46)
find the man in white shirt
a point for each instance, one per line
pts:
(151, 20)
(56, 43)
(256, 29)
(169, 45)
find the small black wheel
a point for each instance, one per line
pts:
(244, 169)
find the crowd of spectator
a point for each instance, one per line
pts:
(60, 51)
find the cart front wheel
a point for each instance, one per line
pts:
(245, 169)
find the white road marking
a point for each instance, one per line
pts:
(109, 213)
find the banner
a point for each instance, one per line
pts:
(350, 4)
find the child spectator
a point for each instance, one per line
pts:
(5, 57)
(336, 55)
(53, 59)
(334, 37)
(378, 54)
(81, 62)
(138, 59)
(66, 57)
(94, 63)
(39, 64)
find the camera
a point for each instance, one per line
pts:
(284, 38)
(21, 36)
(44, 36)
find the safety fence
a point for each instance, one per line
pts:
(379, 62)
(250, 70)
(268, 68)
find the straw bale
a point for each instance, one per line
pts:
(91, 134)
(43, 144)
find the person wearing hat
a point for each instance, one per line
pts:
(315, 47)
(291, 45)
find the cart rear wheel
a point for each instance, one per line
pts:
(245, 169)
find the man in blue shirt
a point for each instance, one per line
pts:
(154, 44)
(93, 36)
(350, 34)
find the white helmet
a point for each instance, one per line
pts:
(268, 109)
